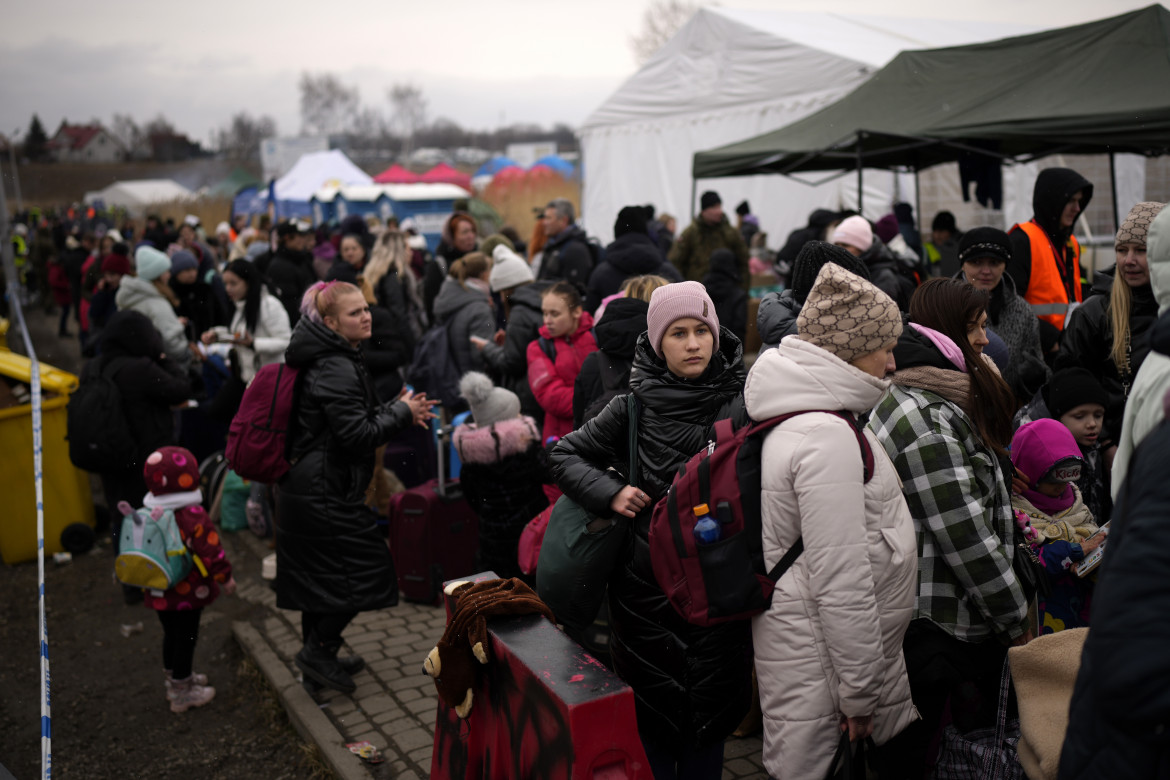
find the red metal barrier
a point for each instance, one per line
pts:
(545, 708)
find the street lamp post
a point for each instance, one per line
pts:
(15, 172)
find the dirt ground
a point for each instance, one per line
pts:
(109, 715)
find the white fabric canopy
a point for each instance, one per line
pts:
(137, 194)
(316, 170)
(729, 75)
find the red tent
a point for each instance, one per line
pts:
(445, 174)
(396, 174)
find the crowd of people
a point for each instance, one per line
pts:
(1005, 399)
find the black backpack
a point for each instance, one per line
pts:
(433, 370)
(97, 428)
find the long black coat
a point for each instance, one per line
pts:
(632, 254)
(1088, 340)
(692, 685)
(1121, 703)
(331, 557)
(149, 383)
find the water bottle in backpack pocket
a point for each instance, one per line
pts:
(152, 553)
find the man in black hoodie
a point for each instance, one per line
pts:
(632, 253)
(1045, 262)
(290, 269)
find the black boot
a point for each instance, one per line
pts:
(352, 664)
(319, 662)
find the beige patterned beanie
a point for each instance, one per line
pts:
(1136, 226)
(847, 315)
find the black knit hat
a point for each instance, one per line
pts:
(944, 220)
(984, 242)
(708, 199)
(1071, 387)
(743, 209)
(812, 257)
(631, 219)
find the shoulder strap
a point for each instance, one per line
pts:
(633, 413)
(549, 348)
(867, 460)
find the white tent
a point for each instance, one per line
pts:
(135, 196)
(729, 75)
(316, 170)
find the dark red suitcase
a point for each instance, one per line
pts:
(433, 536)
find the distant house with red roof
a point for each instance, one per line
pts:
(84, 143)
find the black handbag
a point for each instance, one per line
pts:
(1030, 573)
(849, 761)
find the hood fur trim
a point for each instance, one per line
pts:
(495, 442)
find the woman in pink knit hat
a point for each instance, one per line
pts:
(692, 685)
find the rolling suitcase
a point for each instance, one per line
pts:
(433, 535)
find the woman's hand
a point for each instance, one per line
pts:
(629, 501)
(209, 337)
(420, 407)
(500, 337)
(858, 728)
(1020, 482)
(478, 343)
(245, 340)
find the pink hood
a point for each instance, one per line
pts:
(496, 442)
(1037, 446)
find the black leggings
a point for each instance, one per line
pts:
(180, 632)
(326, 625)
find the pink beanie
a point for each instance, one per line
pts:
(854, 231)
(675, 302)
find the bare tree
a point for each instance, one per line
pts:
(127, 132)
(327, 105)
(160, 125)
(410, 112)
(659, 22)
(240, 139)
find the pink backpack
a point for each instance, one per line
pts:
(257, 440)
(726, 580)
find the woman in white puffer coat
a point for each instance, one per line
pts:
(829, 648)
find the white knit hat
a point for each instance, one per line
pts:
(489, 404)
(509, 269)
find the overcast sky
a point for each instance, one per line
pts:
(482, 63)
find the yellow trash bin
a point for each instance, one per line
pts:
(67, 493)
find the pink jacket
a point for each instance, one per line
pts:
(552, 384)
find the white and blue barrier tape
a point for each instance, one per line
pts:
(13, 295)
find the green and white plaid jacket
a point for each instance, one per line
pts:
(962, 514)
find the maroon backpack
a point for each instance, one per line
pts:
(257, 440)
(725, 580)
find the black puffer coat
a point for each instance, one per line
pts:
(777, 317)
(692, 685)
(149, 384)
(567, 257)
(617, 335)
(331, 555)
(508, 364)
(632, 254)
(1121, 702)
(1088, 340)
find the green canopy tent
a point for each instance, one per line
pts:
(235, 181)
(1100, 87)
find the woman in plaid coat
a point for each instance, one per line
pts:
(945, 423)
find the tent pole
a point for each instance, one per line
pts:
(917, 203)
(1113, 187)
(860, 140)
(694, 190)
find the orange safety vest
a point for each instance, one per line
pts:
(1047, 292)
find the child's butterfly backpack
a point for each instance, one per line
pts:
(152, 553)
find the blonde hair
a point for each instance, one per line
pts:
(641, 287)
(320, 300)
(1120, 305)
(471, 266)
(390, 251)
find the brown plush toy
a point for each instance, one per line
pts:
(452, 662)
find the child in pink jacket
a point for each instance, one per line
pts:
(172, 476)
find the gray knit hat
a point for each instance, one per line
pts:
(489, 404)
(847, 315)
(1136, 226)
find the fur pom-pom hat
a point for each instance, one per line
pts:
(489, 404)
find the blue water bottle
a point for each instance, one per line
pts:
(707, 530)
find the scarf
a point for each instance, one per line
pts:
(954, 386)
